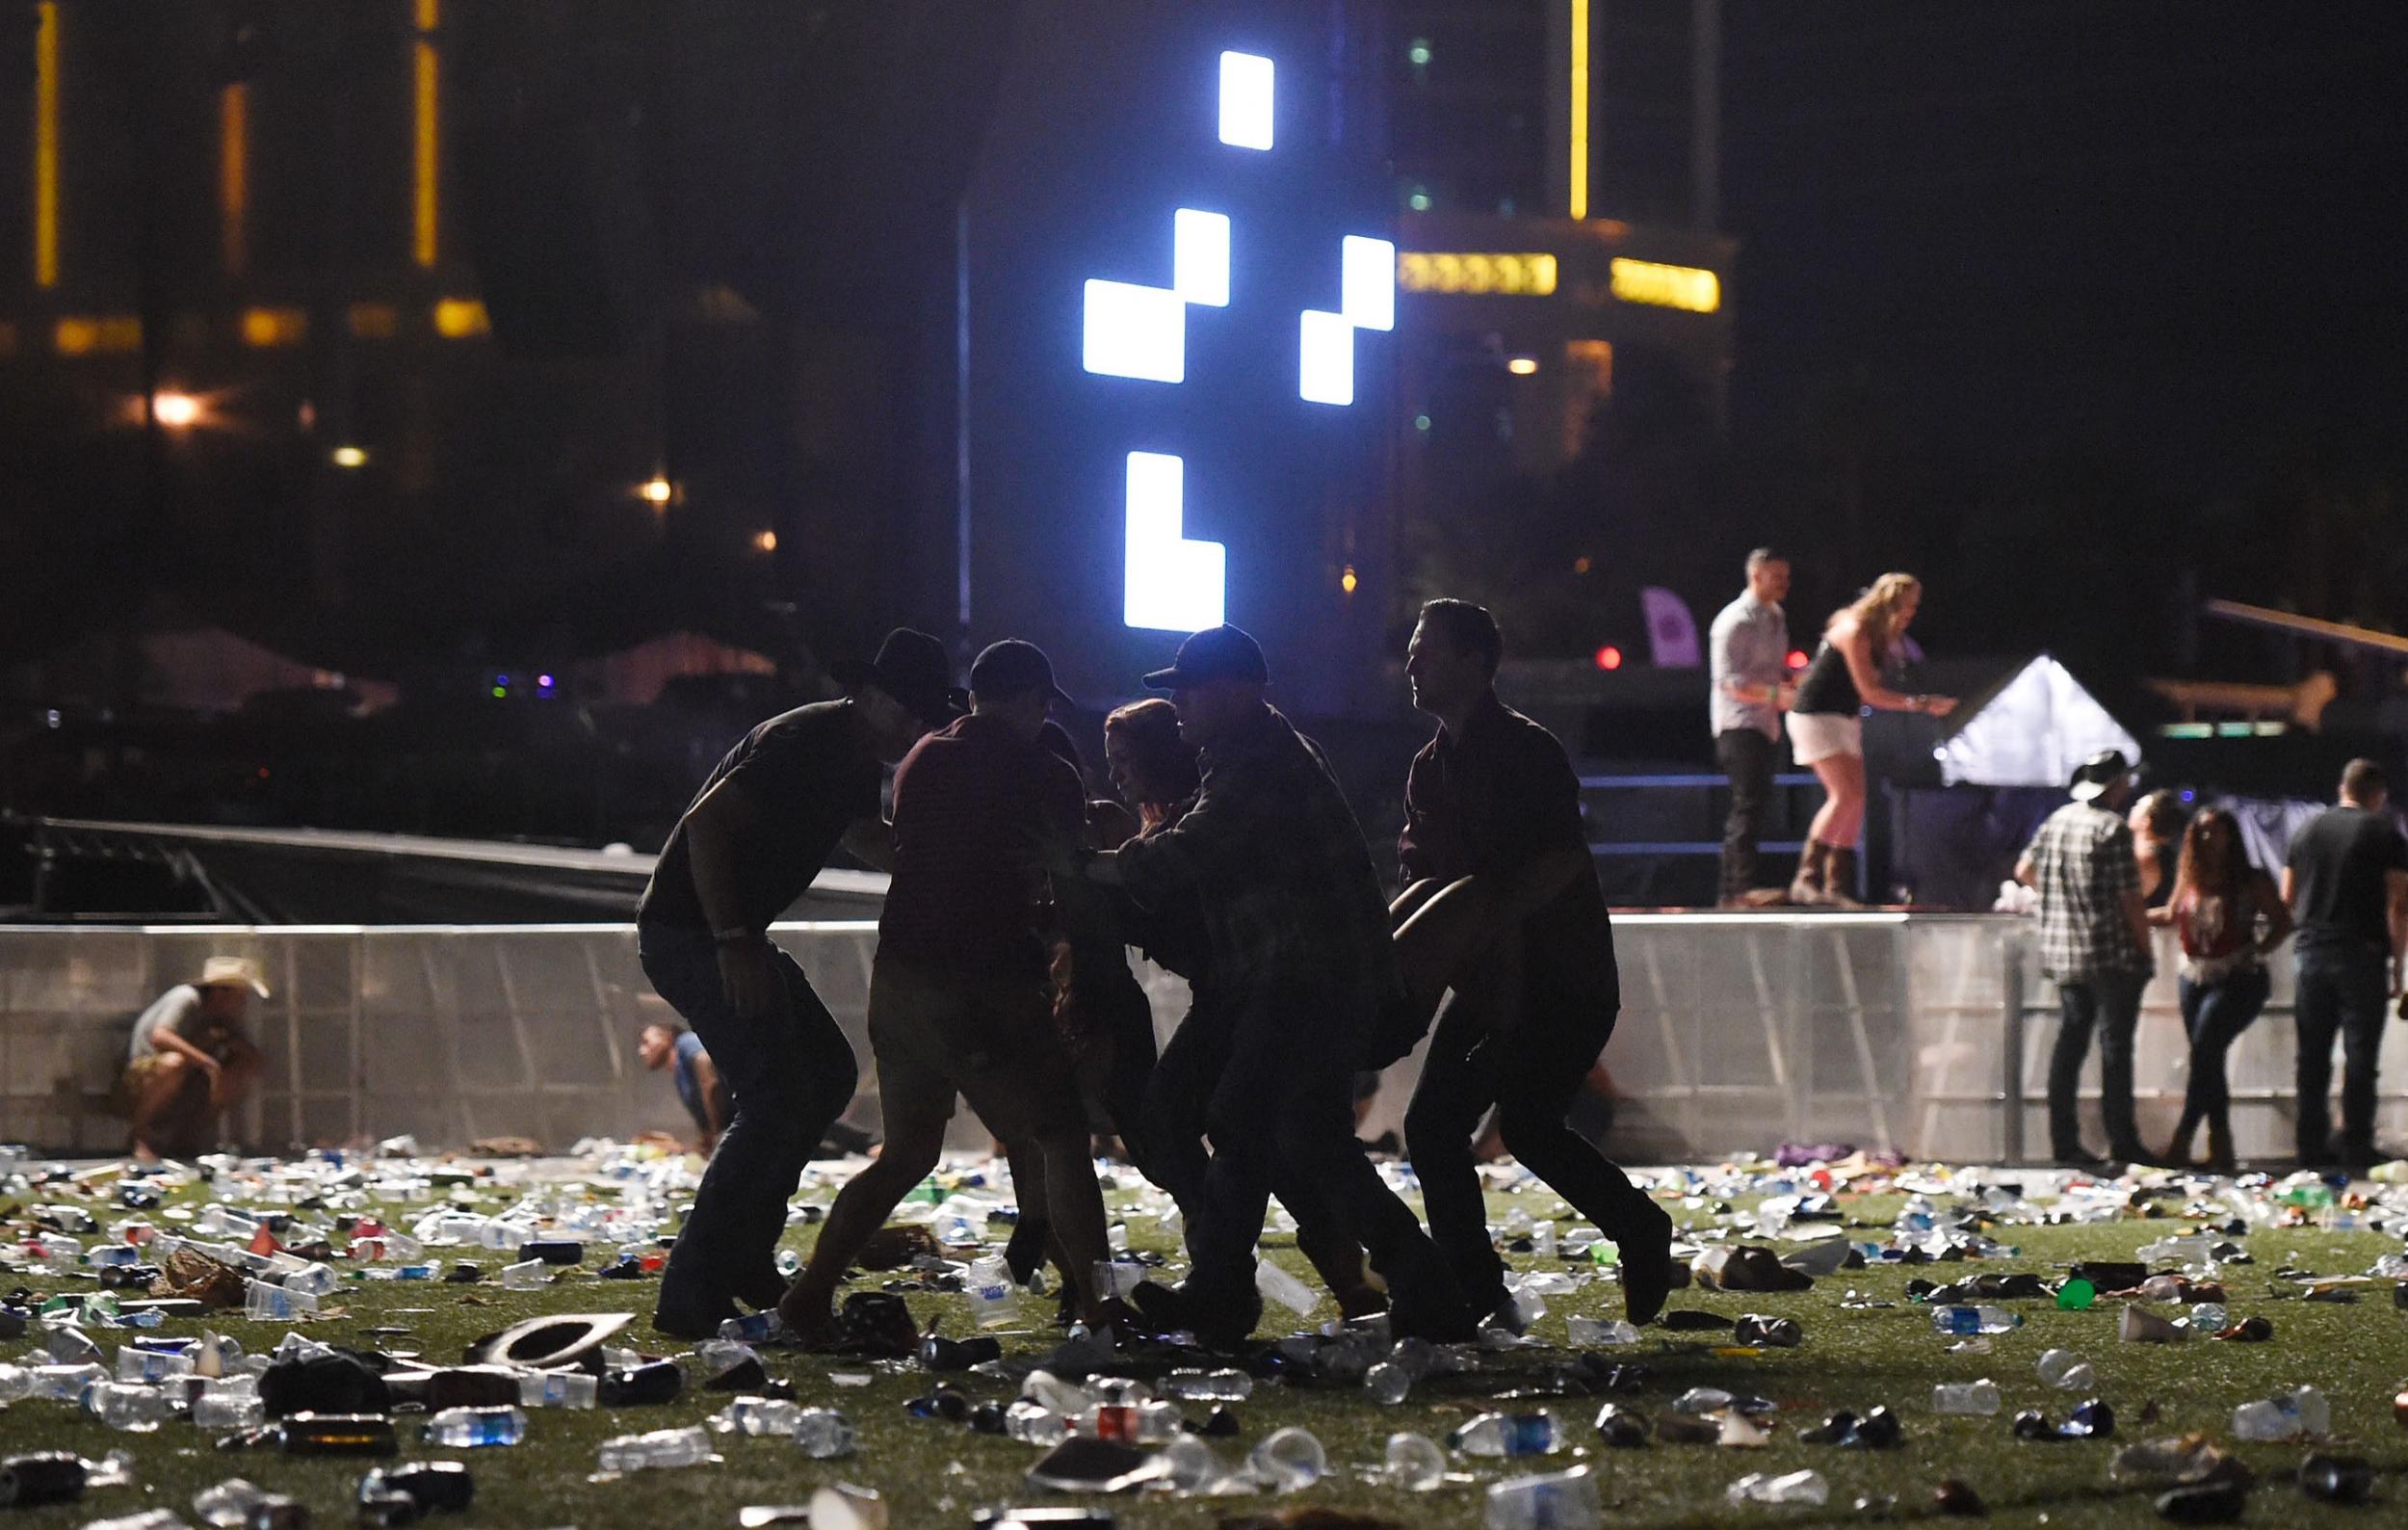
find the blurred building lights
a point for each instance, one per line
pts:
(175, 409)
(46, 143)
(1325, 372)
(426, 160)
(264, 328)
(1368, 282)
(1523, 366)
(1171, 583)
(1346, 581)
(765, 540)
(373, 321)
(1418, 55)
(1247, 82)
(1661, 286)
(461, 318)
(1135, 331)
(1530, 275)
(97, 334)
(1579, 200)
(1200, 257)
(1608, 657)
(348, 455)
(656, 490)
(1418, 200)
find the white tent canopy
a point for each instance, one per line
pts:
(2034, 731)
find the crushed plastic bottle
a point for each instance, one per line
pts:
(557, 1389)
(1559, 1500)
(263, 1303)
(1589, 1332)
(472, 1428)
(659, 1448)
(824, 1433)
(529, 1274)
(1974, 1319)
(1793, 1487)
(219, 1409)
(2066, 1370)
(2296, 1414)
(1508, 1434)
(1980, 1397)
(2208, 1318)
(1209, 1387)
(1389, 1383)
(129, 1406)
(1032, 1423)
(1278, 1285)
(758, 1416)
(150, 1365)
(1414, 1462)
(1287, 1461)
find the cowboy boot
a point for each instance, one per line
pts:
(2220, 1158)
(1806, 887)
(1839, 877)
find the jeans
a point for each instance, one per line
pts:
(1745, 756)
(2214, 1014)
(2340, 989)
(2110, 1003)
(1531, 1074)
(790, 1075)
(1281, 1116)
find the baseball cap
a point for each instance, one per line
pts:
(1216, 653)
(1014, 667)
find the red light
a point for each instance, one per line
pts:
(1608, 657)
(1797, 658)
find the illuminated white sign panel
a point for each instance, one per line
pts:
(1245, 98)
(1173, 585)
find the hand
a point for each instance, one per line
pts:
(749, 978)
(1111, 824)
(1939, 705)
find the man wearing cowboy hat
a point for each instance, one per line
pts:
(2095, 944)
(190, 1060)
(759, 830)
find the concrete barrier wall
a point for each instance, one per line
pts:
(1738, 1031)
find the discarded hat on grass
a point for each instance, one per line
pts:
(551, 1342)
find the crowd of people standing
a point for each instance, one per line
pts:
(1234, 859)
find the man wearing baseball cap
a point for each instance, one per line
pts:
(1302, 960)
(960, 1002)
(760, 830)
(190, 1060)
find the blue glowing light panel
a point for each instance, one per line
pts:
(1140, 332)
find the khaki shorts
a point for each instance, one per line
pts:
(990, 1040)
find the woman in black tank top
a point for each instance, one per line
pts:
(1827, 731)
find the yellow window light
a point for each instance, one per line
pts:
(1579, 200)
(1347, 582)
(766, 542)
(264, 328)
(98, 336)
(1684, 287)
(373, 321)
(349, 457)
(462, 318)
(46, 143)
(1531, 275)
(426, 161)
(1523, 366)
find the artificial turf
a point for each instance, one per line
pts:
(935, 1473)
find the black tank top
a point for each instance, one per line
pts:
(1827, 689)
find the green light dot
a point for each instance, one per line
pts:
(501, 690)
(1421, 422)
(1419, 53)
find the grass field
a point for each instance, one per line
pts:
(933, 1473)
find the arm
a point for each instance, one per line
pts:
(714, 829)
(2277, 911)
(1856, 648)
(706, 1077)
(2290, 891)
(2024, 872)
(2395, 914)
(2136, 916)
(167, 1040)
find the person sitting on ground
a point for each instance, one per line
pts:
(664, 1044)
(190, 1060)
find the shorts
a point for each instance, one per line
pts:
(1820, 735)
(989, 1039)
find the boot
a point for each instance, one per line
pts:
(2178, 1150)
(1839, 876)
(1806, 887)
(2220, 1146)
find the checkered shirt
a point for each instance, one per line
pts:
(2083, 865)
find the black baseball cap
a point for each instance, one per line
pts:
(913, 667)
(1216, 653)
(1014, 667)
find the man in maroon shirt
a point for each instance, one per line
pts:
(959, 1000)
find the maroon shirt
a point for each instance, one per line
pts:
(975, 807)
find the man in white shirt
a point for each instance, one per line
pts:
(189, 1059)
(1750, 648)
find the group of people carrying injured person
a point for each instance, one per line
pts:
(1001, 976)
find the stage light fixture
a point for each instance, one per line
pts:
(1137, 332)
(1246, 81)
(1172, 584)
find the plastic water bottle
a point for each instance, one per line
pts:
(468, 1428)
(103, 1254)
(1209, 1387)
(1966, 1397)
(220, 1409)
(1190, 1466)
(1115, 1277)
(1415, 1463)
(125, 1405)
(150, 1367)
(662, 1447)
(64, 1384)
(1288, 1460)
(263, 1303)
(1278, 1285)
(1591, 1332)
(1974, 1320)
(310, 1279)
(1559, 1500)
(557, 1389)
(1795, 1486)
(1033, 1423)
(529, 1275)
(1389, 1383)
(2210, 1317)
(2301, 1413)
(825, 1434)
(753, 1328)
(2066, 1370)
(228, 1505)
(1508, 1434)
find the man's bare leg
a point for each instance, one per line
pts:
(156, 1124)
(913, 1147)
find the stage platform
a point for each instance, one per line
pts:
(1922, 1034)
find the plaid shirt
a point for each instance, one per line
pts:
(2084, 866)
(1289, 899)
